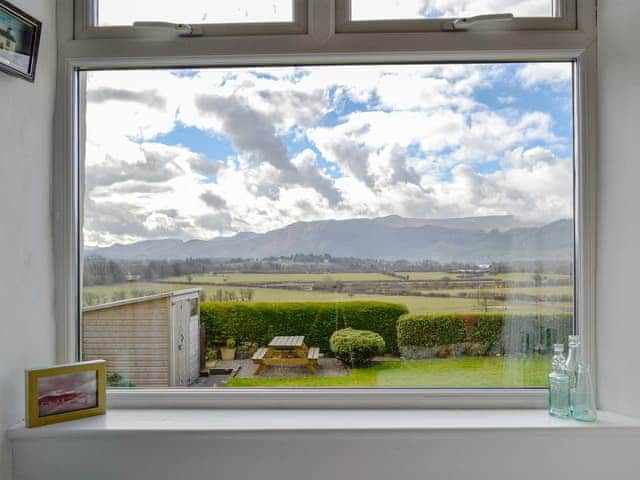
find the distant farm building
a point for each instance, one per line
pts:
(152, 341)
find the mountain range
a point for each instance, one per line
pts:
(470, 239)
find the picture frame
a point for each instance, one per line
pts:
(65, 392)
(19, 41)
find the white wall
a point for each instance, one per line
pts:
(26, 277)
(618, 277)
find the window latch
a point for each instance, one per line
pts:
(462, 24)
(182, 29)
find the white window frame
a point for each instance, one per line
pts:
(86, 15)
(321, 44)
(565, 18)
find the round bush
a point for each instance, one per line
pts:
(356, 347)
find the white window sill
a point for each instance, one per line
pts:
(326, 444)
(120, 422)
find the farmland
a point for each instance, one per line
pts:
(421, 292)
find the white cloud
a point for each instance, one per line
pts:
(539, 74)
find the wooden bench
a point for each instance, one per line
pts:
(258, 358)
(312, 358)
(259, 355)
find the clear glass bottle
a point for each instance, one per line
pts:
(571, 366)
(558, 384)
(584, 400)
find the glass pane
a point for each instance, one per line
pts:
(415, 9)
(300, 202)
(125, 12)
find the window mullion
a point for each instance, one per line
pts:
(322, 19)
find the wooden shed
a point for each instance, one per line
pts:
(151, 341)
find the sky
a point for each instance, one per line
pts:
(405, 9)
(196, 154)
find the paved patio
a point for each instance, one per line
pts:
(327, 367)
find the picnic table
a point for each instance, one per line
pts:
(284, 351)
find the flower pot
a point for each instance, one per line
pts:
(210, 363)
(227, 354)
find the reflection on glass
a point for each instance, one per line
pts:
(125, 12)
(414, 9)
(299, 202)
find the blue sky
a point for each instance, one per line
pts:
(204, 153)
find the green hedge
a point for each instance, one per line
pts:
(508, 333)
(488, 330)
(260, 322)
(430, 330)
(356, 347)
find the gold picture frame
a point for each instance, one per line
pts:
(65, 392)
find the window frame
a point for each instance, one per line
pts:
(86, 14)
(321, 44)
(566, 19)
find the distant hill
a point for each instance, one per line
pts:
(474, 239)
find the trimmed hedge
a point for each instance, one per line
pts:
(356, 347)
(260, 322)
(488, 330)
(506, 333)
(430, 330)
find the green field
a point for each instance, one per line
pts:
(426, 293)
(530, 277)
(222, 278)
(450, 372)
(415, 304)
(429, 275)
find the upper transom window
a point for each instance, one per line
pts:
(410, 9)
(125, 12)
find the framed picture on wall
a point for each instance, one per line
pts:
(65, 392)
(19, 41)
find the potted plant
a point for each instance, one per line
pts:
(229, 352)
(211, 358)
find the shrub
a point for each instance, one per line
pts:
(356, 347)
(430, 330)
(488, 330)
(260, 322)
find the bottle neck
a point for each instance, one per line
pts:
(572, 355)
(558, 362)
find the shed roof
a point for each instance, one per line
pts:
(156, 296)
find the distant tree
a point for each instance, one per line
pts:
(537, 279)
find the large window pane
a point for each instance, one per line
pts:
(284, 198)
(125, 12)
(416, 9)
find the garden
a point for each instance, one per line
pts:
(379, 344)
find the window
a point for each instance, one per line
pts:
(117, 18)
(274, 184)
(415, 9)
(119, 12)
(444, 191)
(437, 15)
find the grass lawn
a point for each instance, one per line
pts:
(449, 372)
